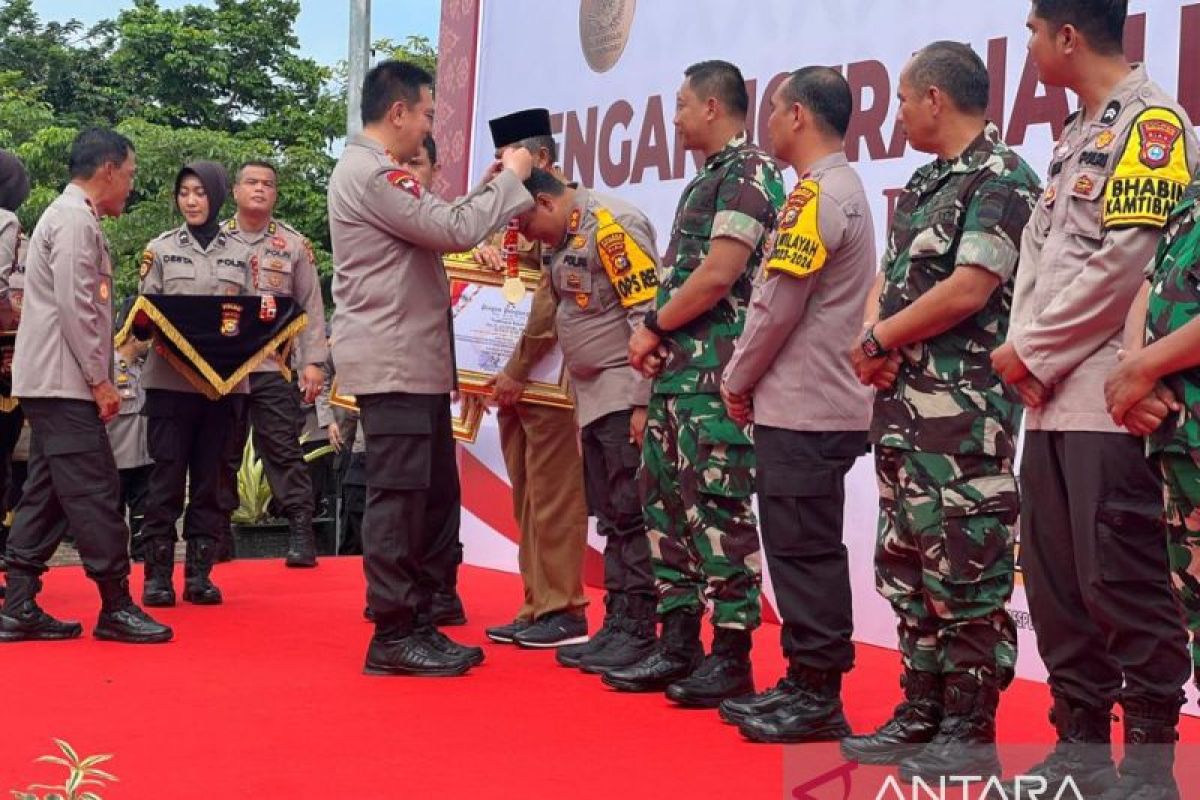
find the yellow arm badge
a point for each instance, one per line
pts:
(629, 269)
(147, 262)
(798, 249)
(1152, 174)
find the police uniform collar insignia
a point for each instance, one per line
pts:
(1111, 112)
(271, 228)
(184, 238)
(232, 225)
(573, 223)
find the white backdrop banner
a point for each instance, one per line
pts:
(608, 71)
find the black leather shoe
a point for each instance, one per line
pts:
(448, 609)
(913, 725)
(813, 712)
(30, 623)
(505, 633)
(553, 630)
(570, 655)
(131, 625)
(302, 542)
(674, 657)
(725, 673)
(736, 709)
(632, 642)
(158, 590)
(443, 643)
(965, 743)
(122, 621)
(414, 655)
(654, 673)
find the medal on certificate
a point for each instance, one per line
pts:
(514, 289)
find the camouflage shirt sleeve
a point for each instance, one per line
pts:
(745, 211)
(992, 227)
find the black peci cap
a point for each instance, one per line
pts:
(520, 125)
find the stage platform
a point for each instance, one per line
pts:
(263, 697)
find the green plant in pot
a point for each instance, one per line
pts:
(257, 534)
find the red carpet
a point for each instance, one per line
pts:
(263, 697)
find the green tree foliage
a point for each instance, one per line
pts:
(223, 82)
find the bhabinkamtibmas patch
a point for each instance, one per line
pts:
(629, 269)
(798, 248)
(1152, 173)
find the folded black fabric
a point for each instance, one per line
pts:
(216, 341)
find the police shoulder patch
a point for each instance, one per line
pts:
(630, 270)
(798, 249)
(146, 262)
(404, 180)
(1152, 173)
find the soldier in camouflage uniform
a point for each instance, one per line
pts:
(1167, 314)
(698, 473)
(944, 426)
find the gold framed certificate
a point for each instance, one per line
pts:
(487, 329)
(465, 415)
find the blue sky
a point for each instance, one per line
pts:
(323, 26)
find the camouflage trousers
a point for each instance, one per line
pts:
(1181, 491)
(697, 480)
(944, 559)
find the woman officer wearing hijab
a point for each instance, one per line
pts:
(187, 432)
(14, 189)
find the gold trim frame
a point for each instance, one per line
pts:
(465, 425)
(462, 267)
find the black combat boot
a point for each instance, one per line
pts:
(965, 743)
(725, 673)
(1148, 768)
(676, 655)
(913, 725)
(811, 714)
(302, 542)
(197, 588)
(1083, 752)
(614, 607)
(158, 591)
(122, 621)
(398, 649)
(22, 619)
(632, 640)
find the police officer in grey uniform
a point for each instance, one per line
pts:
(1096, 571)
(603, 269)
(282, 266)
(128, 432)
(14, 188)
(64, 378)
(188, 433)
(393, 351)
(811, 415)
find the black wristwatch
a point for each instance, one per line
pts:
(650, 323)
(870, 345)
